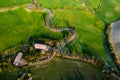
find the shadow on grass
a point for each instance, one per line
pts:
(87, 50)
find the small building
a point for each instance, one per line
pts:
(24, 76)
(41, 46)
(30, 78)
(17, 59)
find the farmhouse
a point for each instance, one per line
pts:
(17, 59)
(41, 46)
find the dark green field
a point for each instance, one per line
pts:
(67, 70)
(61, 69)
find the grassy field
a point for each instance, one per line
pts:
(53, 4)
(69, 4)
(19, 25)
(61, 69)
(88, 27)
(67, 70)
(90, 4)
(8, 75)
(109, 10)
(7, 3)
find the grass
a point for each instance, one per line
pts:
(8, 75)
(69, 4)
(19, 25)
(88, 27)
(109, 10)
(90, 4)
(53, 4)
(63, 69)
(7, 3)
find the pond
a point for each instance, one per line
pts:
(115, 38)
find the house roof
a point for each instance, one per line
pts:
(17, 59)
(41, 46)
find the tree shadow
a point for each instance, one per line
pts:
(87, 50)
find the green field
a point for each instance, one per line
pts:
(8, 75)
(91, 4)
(19, 25)
(61, 69)
(109, 10)
(89, 27)
(67, 70)
(7, 3)
(69, 4)
(60, 4)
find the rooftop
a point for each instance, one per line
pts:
(41, 46)
(18, 58)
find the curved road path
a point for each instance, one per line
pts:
(62, 43)
(49, 26)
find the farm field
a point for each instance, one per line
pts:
(61, 69)
(8, 75)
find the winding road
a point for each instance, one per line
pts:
(49, 26)
(62, 43)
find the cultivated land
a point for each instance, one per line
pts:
(61, 69)
(65, 69)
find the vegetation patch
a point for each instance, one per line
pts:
(19, 25)
(60, 4)
(109, 10)
(7, 3)
(63, 69)
(88, 27)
